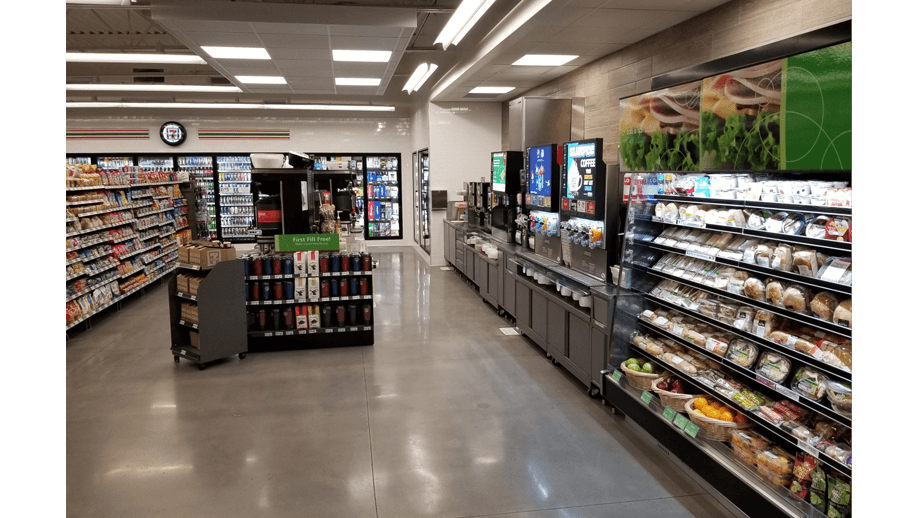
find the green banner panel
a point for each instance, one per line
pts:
(303, 242)
(818, 110)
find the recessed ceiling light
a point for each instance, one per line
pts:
(418, 78)
(97, 57)
(357, 81)
(544, 60)
(366, 56)
(262, 80)
(237, 106)
(236, 52)
(153, 88)
(491, 89)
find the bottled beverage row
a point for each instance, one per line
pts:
(310, 316)
(235, 200)
(383, 191)
(234, 177)
(237, 221)
(234, 210)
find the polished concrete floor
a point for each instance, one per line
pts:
(444, 416)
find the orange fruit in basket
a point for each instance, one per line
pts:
(711, 412)
(725, 415)
(698, 411)
(740, 419)
(700, 403)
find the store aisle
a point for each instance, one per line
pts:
(444, 416)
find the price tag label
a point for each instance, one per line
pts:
(352, 328)
(646, 397)
(367, 328)
(182, 352)
(789, 393)
(807, 448)
(616, 375)
(691, 429)
(289, 333)
(341, 329)
(334, 299)
(269, 334)
(681, 421)
(700, 255)
(669, 413)
(311, 331)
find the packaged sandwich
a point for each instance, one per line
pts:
(774, 367)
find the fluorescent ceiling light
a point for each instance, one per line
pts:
(544, 60)
(145, 87)
(237, 52)
(357, 81)
(418, 78)
(365, 56)
(491, 89)
(262, 80)
(463, 19)
(237, 106)
(96, 57)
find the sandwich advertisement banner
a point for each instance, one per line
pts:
(787, 114)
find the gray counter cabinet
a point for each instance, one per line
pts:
(579, 334)
(598, 355)
(508, 297)
(556, 344)
(538, 314)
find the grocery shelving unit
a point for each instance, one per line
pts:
(146, 226)
(221, 325)
(643, 271)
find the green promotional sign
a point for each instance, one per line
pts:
(818, 110)
(303, 242)
(669, 413)
(616, 375)
(681, 421)
(691, 429)
(646, 396)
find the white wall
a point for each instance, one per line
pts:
(344, 135)
(462, 138)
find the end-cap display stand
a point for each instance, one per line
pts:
(221, 328)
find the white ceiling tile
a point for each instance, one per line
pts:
(558, 47)
(559, 18)
(225, 39)
(616, 19)
(486, 72)
(323, 91)
(289, 28)
(294, 41)
(520, 73)
(281, 54)
(594, 36)
(312, 82)
(252, 67)
(358, 43)
(304, 64)
(667, 19)
(704, 5)
(210, 26)
(663, 5)
(365, 31)
(357, 69)
(306, 72)
(585, 3)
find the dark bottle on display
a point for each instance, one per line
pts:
(267, 265)
(288, 319)
(366, 261)
(352, 314)
(266, 291)
(256, 266)
(262, 320)
(355, 262)
(335, 288)
(363, 285)
(325, 289)
(340, 315)
(276, 319)
(288, 290)
(346, 264)
(353, 286)
(276, 265)
(324, 263)
(245, 267)
(366, 314)
(288, 265)
(343, 286)
(279, 290)
(327, 316)
(336, 261)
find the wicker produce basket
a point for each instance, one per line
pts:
(714, 428)
(672, 400)
(639, 380)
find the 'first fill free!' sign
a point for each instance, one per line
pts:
(304, 242)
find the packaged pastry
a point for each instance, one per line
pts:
(824, 304)
(749, 442)
(774, 292)
(763, 253)
(837, 355)
(782, 258)
(774, 367)
(671, 212)
(810, 383)
(749, 253)
(775, 222)
(843, 314)
(660, 210)
(805, 262)
(835, 269)
(754, 288)
(795, 298)
(839, 197)
(735, 218)
(775, 461)
(723, 278)
(736, 283)
(794, 224)
(742, 352)
(764, 323)
(816, 228)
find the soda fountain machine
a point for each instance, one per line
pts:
(542, 200)
(590, 219)
(507, 167)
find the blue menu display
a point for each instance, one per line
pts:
(541, 171)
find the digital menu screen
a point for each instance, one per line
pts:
(581, 180)
(499, 175)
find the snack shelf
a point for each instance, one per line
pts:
(104, 227)
(141, 205)
(135, 252)
(121, 239)
(102, 211)
(162, 197)
(321, 330)
(118, 299)
(236, 226)
(815, 322)
(83, 202)
(142, 195)
(791, 442)
(168, 222)
(166, 263)
(234, 204)
(383, 199)
(115, 187)
(761, 342)
(723, 455)
(774, 389)
(812, 282)
(81, 259)
(752, 204)
(147, 213)
(231, 181)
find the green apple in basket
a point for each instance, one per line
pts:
(648, 368)
(634, 367)
(632, 361)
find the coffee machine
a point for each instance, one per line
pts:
(541, 199)
(589, 202)
(479, 203)
(506, 193)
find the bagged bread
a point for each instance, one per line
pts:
(782, 258)
(843, 313)
(824, 304)
(763, 253)
(775, 222)
(795, 298)
(764, 323)
(727, 312)
(775, 290)
(754, 288)
(805, 262)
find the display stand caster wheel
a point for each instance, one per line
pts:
(553, 361)
(201, 366)
(594, 392)
(242, 355)
(502, 313)
(175, 358)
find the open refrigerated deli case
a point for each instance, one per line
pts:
(733, 321)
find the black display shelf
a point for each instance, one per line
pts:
(268, 277)
(808, 320)
(315, 331)
(344, 274)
